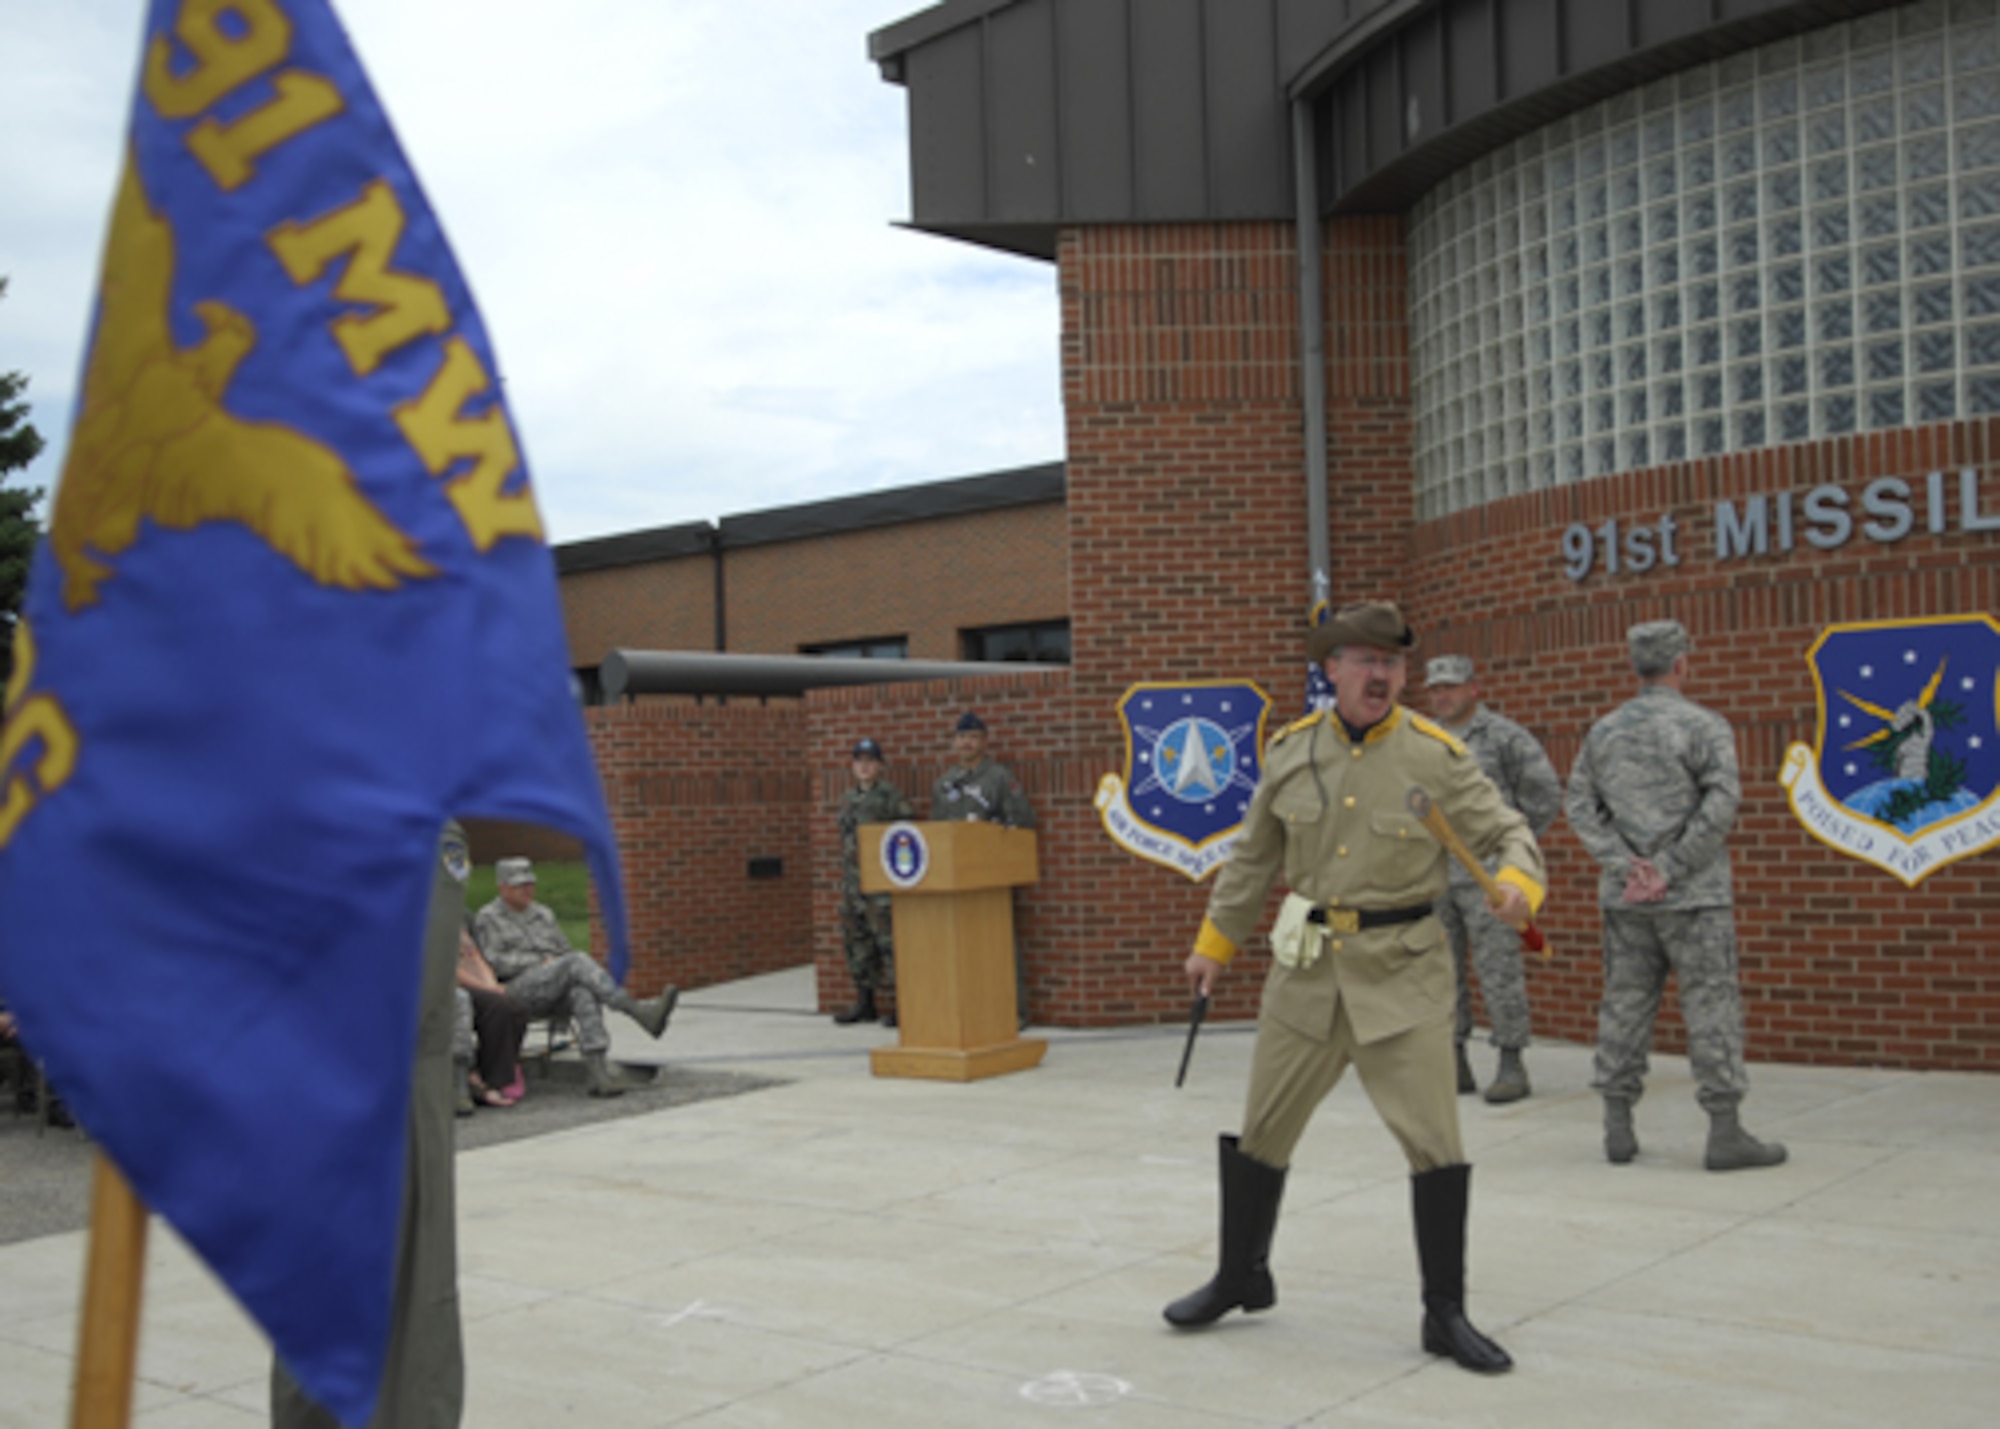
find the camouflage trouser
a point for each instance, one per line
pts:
(576, 983)
(865, 931)
(1495, 956)
(1699, 947)
(462, 1044)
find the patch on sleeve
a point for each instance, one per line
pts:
(455, 853)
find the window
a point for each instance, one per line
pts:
(1042, 642)
(1796, 199)
(888, 647)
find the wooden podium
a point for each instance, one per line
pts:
(952, 885)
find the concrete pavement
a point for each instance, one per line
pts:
(845, 1250)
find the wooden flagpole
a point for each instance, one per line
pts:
(107, 1357)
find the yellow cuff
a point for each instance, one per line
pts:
(1210, 943)
(1536, 894)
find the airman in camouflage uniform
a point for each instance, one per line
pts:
(543, 974)
(1519, 768)
(1360, 974)
(978, 789)
(866, 929)
(1653, 796)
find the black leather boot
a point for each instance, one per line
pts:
(1250, 1195)
(1438, 1199)
(862, 1011)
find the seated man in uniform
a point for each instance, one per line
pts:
(543, 974)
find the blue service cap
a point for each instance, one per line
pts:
(969, 720)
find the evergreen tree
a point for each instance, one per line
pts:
(20, 443)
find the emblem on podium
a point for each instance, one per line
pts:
(906, 858)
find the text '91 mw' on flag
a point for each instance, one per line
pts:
(294, 609)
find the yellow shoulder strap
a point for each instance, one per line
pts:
(1298, 724)
(1438, 732)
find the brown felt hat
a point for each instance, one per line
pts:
(1366, 622)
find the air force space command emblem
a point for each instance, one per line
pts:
(1192, 759)
(1906, 774)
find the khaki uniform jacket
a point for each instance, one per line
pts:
(1330, 817)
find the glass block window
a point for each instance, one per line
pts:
(1798, 241)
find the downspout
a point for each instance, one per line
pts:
(721, 599)
(721, 591)
(1312, 350)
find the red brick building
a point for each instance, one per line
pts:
(1712, 273)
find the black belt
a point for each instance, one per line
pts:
(1356, 920)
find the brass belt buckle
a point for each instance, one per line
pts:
(1343, 920)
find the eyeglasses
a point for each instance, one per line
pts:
(1383, 660)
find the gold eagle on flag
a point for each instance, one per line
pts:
(153, 440)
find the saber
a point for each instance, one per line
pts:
(1195, 1015)
(1433, 819)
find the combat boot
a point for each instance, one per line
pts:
(1467, 1084)
(862, 1011)
(462, 1098)
(652, 1014)
(1510, 1083)
(1250, 1195)
(1731, 1148)
(1439, 1200)
(1621, 1142)
(603, 1082)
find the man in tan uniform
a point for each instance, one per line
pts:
(1361, 972)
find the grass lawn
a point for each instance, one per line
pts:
(564, 887)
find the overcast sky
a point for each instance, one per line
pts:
(676, 216)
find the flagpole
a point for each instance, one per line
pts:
(108, 1337)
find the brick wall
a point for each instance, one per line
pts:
(1187, 508)
(1369, 437)
(926, 580)
(1185, 452)
(660, 605)
(695, 793)
(1840, 962)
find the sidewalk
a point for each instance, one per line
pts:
(845, 1250)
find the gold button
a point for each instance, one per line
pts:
(1341, 852)
(1337, 945)
(1349, 801)
(1333, 902)
(1354, 753)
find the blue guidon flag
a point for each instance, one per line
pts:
(1192, 760)
(294, 609)
(1905, 773)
